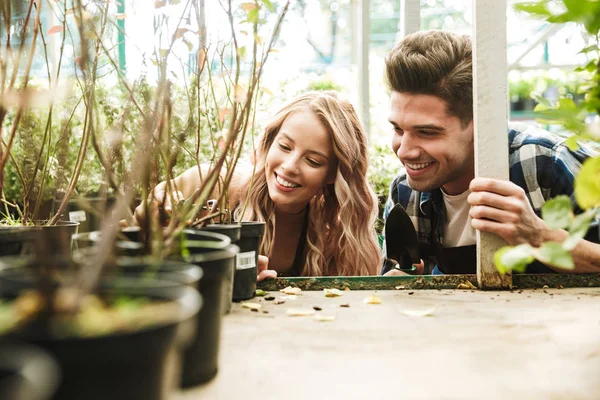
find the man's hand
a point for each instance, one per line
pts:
(263, 271)
(502, 208)
(395, 272)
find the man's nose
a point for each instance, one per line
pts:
(408, 148)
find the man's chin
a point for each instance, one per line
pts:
(422, 186)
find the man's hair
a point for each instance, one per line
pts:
(434, 63)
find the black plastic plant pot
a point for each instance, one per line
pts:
(233, 231)
(26, 372)
(17, 240)
(21, 272)
(129, 364)
(246, 265)
(200, 359)
(55, 239)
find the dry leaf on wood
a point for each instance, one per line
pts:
(252, 306)
(333, 292)
(291, 290)
(419, 313)
(300, 312)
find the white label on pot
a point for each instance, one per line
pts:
(245, 260)
(77, 216)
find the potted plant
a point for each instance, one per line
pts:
(558, 212)
(63, 304)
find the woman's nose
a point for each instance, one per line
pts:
(290, 164)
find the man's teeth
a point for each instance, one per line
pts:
(418, 166)
(285, 183)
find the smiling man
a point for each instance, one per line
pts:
(430, 76)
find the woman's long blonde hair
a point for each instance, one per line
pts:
(340, 238)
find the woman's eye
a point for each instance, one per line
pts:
(313, 162)
(284, 147)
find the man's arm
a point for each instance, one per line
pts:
(502, 208)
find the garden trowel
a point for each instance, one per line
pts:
(401, 240)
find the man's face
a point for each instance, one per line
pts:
(433, 146)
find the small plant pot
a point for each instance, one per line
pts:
(26, 372)
(56, 239)
(244, 279)
(216, 257)
(233, 231)
(120, 365)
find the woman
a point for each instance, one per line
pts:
(310, 188)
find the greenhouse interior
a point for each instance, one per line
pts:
(303, 196)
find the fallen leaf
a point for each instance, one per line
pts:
(400, 287)
(55, 29)
(300, 312)
(279, 301)
(260, 292)
(419, 313)
(291, 290)
(248, 6)
(333, 292)
(324, 318)
(345, 305)
(317, 308)
(372, 300)
(270, 298)
(252, 306)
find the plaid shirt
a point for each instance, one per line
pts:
(539, 162)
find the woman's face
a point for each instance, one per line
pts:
(300, 162)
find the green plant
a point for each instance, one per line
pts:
(558, 212)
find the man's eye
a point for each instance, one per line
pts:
(428, 133)
(398, 130)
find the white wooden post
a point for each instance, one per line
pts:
(363, 65)
(490, 120)
(410, 17)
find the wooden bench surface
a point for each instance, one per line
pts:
(526, 344)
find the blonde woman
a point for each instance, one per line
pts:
(310, 189)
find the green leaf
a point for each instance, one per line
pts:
(513, 258)
(578, 228)
(572, 143)
(536, 9)
(558, 212)
(260, 292)
(543, 103)
(587, 49)
(565, 103)
(242, 52)
(269, 5)
(553, 253)
(253, 16)
(587, 184)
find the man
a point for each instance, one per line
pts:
(430, 77)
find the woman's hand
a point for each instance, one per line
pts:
(159, 205)
(263, 271)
